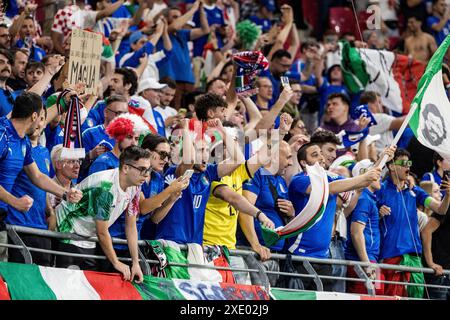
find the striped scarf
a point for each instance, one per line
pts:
(73, 145)
(249, 65)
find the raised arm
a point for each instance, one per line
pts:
(253, 113)
(288, 20)
(269, 119)
(185, 18)
(109, 10)
(188, 158)
(204, 26)
(232, 146)
(54, 64)
(30, 8)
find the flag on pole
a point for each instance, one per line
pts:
(311, 213)
(430, 119)
(394, 76)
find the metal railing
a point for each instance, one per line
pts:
(145, 263)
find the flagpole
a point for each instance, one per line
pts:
(400, 132)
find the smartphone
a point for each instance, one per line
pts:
(446, 176)
(188, 173)
(284, 81)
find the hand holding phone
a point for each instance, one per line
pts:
(188, 174)
(284, 81)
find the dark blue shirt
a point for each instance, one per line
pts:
(185, 221)
(365, 212)
(6, 101)
(441, 35)
(314, 242)
(35, 217)
(214, 15)
(95, 116)
(105, 161)
(260, 185)
(400, 229)
(93, 136)
(265, 24)
(179, 66)
(15, 153)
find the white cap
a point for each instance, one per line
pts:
(150, 83)
(361, 167)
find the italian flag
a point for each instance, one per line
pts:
(394, 76)
(311, 213)
(430, 118)
(32, 282)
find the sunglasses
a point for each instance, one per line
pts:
(403, 163)
(143, 171)
(163, 155)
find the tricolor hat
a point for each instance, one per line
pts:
(126, 124)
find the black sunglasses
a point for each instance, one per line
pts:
(163, 155)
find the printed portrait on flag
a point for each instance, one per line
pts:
(434, 130)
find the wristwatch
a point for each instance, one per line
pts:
(64, 196)
(257, 215)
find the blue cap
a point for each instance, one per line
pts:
(269, 4)
(136, 36)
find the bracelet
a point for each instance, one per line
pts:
(257, 215)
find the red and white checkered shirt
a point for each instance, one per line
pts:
(73, 17)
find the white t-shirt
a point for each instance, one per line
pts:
(106, 202)
(382, 128)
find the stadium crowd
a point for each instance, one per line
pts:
(172, 152)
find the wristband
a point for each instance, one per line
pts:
(257, 215)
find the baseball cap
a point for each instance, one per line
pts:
(150, 83)
(361, 167)
(136, 36)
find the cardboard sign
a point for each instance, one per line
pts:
(84, 60)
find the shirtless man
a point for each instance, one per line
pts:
(419, 45)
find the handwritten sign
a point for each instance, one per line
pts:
(84, 60)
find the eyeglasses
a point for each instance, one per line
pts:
(73, 162)
(163, 155)
(116, 113)
(143, 171)
(403, 163)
